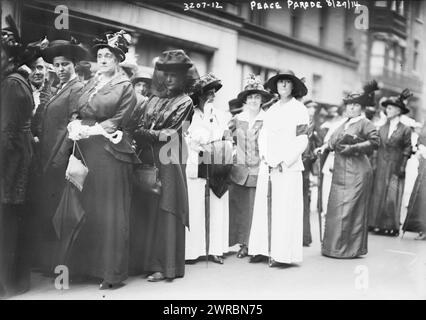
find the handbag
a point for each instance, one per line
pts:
(77, 170)
(146, 177)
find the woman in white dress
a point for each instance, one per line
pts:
(277, 227)
(208, 124)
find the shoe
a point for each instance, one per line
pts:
(421, 236)
(156, 276)
(243, 252)
(217, 259)
(257, 258)
(394, 233)
(105, 285)
(272, 263)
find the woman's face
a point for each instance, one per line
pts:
(64, 68)
(107, 61)
(210, 95)
(141, 87)
(173, 80)
(284, 87)
(392, 111)
(253, 102)
(353, 110)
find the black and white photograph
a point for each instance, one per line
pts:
(213, 151)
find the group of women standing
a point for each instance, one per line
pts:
(96, 133)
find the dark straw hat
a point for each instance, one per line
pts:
(206, 83)
(399, 101)
(364, 97)
(64, 44)
(173, 60)
(299, 88)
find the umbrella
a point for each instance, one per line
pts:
(207, 212)
(67, 221)
(269, 212)
(319, 203)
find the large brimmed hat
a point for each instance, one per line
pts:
(235, 106)
(299, 88)
(62, 43)
(364, 97)
(254, 86)
(117, 42)
(142, 74)
(173, 60)
(33, 51)
(399, 101)
(207, 82)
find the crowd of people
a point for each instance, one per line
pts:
(115, 173)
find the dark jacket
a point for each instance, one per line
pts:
(15, 138)
(112, 107)
(57, 115)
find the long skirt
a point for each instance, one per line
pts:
(195, 245)
(287, 216)
(345, 234)
(51, 186)
(14, 250)
(386, 197)
(416, 213)
(101, 249)
(241, 204)
(164, 247)
(307, 236)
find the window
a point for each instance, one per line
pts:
(246, 69)
(416, 55)
(316, 86)
(323, 26)
(417, 9)
(393, 6)
(295, 24)
(377, 59)
(401, 7)
(382, 4)
(257, 17)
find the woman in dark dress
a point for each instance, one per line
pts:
(165, 217)
(15, 158)
(345, 234)
(63, 53)
(392, 156)
(102, 247)
(416, 214)
(245, 127)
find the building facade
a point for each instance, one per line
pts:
(322, 45)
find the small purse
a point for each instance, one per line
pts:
(146, 177)
(77, 170)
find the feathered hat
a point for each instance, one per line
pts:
(117, 42)
(254, 86)
(206, 83)
(11, 40)
(399, 101)
(62, 43)
(364, 97)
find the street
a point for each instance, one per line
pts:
(394, 268)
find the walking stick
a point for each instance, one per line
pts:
(319, 204)
(207, 212)
(269, 212)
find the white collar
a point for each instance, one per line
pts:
(395, 121)
(244, 116)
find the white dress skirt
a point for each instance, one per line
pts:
(287, 216)
(281, 143)
(195, 242)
